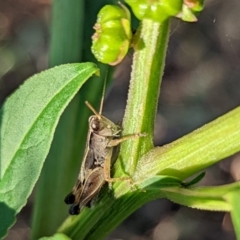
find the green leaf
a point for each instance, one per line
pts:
(29, 118)
(58, 236)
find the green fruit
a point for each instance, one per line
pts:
(111, 41)
(156, 10)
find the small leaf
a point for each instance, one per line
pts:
(195, 180)
(158, 182)
(29, 118)
(218, 198)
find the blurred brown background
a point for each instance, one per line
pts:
(201, 82)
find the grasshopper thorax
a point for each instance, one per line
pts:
(102, 125)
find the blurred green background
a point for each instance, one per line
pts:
(201, 82)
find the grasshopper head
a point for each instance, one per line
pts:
(103, 126)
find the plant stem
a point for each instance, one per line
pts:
(148, 63)
(194, 152)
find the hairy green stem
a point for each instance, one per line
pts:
(148, 62)
(195, 151)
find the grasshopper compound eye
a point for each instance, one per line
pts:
(95, 124)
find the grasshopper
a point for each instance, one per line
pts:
(103, 137)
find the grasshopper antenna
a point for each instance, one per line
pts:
(103, 93)
(93, 110)
(99, 115)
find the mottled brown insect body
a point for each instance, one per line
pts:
(103, 137)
